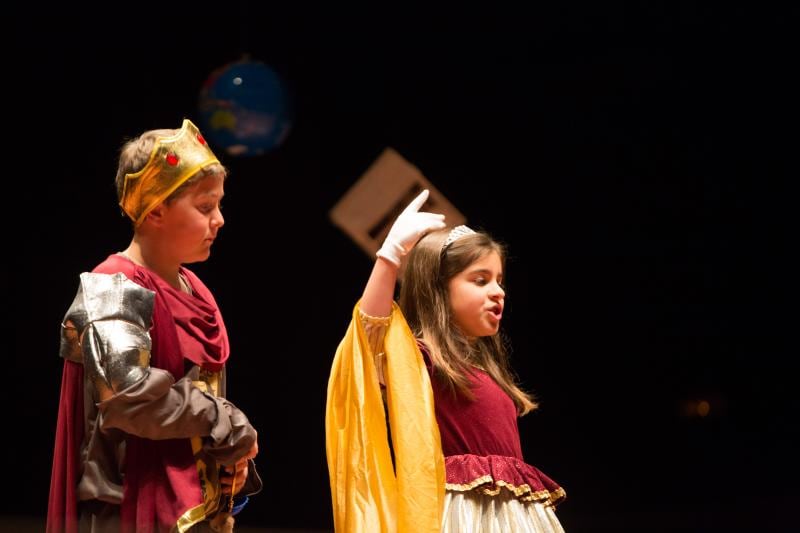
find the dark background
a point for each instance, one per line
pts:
(629, 156)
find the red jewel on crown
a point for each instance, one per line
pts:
(200, 139)
(172, 159)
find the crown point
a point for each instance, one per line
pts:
(172, 159)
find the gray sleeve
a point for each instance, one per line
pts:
(157, 407)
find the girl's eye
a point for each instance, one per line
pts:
(480, 281)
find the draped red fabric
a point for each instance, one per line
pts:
(161, 481)
(201, 331)
(62, 510)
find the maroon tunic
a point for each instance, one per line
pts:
(481, 444)
(160, 476)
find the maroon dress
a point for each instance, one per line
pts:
(481, 444)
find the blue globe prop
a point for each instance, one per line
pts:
(244, 109)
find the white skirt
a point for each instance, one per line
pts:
(472, 512)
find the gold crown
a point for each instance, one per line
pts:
(174, 160)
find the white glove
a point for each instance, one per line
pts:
(408, 228)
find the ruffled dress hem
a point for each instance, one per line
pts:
(491, 474)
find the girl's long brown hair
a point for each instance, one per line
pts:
(425, 302)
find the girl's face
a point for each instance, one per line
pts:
(192, 220)
(477, 297)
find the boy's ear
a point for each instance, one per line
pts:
(156, 215)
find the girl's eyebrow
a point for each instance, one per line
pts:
(484, 271)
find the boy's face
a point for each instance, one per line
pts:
(193, 219)
(477, 297)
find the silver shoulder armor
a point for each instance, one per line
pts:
(106, 329)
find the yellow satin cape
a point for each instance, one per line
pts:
(366, 493)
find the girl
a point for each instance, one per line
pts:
(147, 441)
(452, 297)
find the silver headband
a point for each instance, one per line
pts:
(455, 234)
